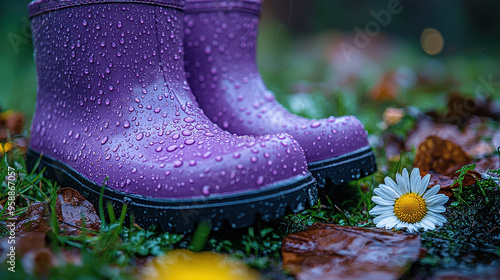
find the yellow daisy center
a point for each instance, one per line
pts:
(410, 208)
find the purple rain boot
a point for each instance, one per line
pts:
(113, 101)
(220, 43)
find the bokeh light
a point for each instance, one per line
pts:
(432, 41)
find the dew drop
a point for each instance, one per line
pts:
(315, 124)
(260, 180)
(172, 148)
(205, 190)
(188, 119)
(178, 163)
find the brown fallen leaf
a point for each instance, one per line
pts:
(386, 89)
(39, 262)
(426, 127)
(24, 243)
(477, 138)
(471, 177)
(461, 109)
(440, 155)
(37, 259)
(34, 219)
(71, 206)
(11, 123)
(489, 163)
(72, 211)
(326, 251)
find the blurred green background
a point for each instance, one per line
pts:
(302, 60)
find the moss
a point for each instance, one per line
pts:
(475, 215)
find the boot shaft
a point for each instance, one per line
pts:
(100, 57)
(223, 33)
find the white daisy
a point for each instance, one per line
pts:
(406, 204)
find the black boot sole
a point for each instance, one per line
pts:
(344, 168)
(182, 215)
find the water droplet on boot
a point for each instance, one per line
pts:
(172, 148)
(178, 163)
(315, 124)
(205, 190)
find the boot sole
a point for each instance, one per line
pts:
(344, 168)
(182, 215)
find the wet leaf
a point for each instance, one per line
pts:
(35, 219)
(24, 242)
(386, 89)
(72, 211)
(326, 251)
(489, 163)
(461, 109)
(426, 127)
(11, 123)
(75, 211)
(440, 155)
(39, 262)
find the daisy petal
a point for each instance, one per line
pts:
(385, 222)
(401, 183)
(414, 180)
(400, 225)
(382, 201)
(437, 209)
(379, 210)
(382, 194)
(377, 219)
(424, 183)
(411, 228)
(439, 199)
(406, 179)
(385, 192)
(431, 192)
(437, 217)
(389, 191)
(389, 182)
(392, 223)
(428, 225)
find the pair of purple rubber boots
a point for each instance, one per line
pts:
(161, 101)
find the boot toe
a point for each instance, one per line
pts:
(243, 163)
(331, 137)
